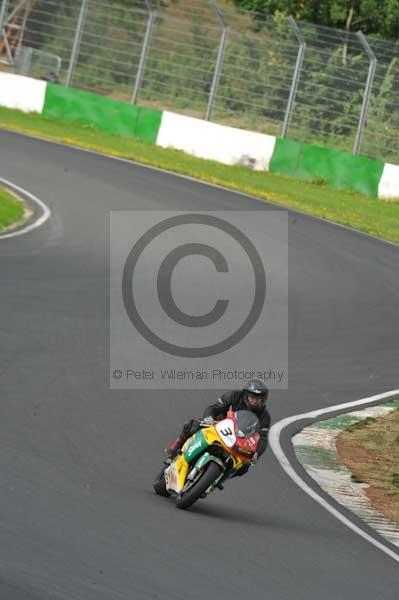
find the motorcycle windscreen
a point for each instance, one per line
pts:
(247, 423)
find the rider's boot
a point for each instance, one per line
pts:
(173, 449)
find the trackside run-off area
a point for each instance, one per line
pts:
(377, 218)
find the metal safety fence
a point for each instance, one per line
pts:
(209, 60)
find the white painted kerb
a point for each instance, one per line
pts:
(46, 212)
(275, 444)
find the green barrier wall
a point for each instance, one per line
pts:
(339, 169)
(106, 114)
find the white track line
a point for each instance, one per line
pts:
(275, 445)
(46, 212)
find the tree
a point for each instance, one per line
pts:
(371, 16)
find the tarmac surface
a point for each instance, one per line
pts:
(78, 517)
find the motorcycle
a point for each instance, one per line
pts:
(214, 454)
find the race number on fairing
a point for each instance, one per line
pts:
(225, 429)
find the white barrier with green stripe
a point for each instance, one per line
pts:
(202, 138)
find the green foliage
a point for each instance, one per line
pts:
(383, 113)
(371, 16)
(181, 66)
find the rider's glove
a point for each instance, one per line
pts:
(254, 459)
(208, 421)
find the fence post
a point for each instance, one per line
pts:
(3, 16)
(76, 42)
(144, 51)
(367, 92)
(297, 73)
(219, 60)
(23, 26)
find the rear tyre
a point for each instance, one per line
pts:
(160, 484)
(211, 473)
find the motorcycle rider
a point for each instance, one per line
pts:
(252, 397)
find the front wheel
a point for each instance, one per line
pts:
(211, 472)
(160, 484)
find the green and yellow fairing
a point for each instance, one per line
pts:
(194, 447)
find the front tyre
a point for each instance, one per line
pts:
(211, 472)
(160, 484)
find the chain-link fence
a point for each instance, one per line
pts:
(268, 74)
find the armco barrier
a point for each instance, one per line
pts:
(202, 138)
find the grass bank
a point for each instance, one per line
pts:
(370, 450)
(11, 209)
(348, 208)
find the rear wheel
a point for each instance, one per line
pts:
(160, 484)
(211, 472)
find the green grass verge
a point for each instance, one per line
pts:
(11, 209)
(377, 218)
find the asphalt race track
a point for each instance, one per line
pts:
(78, 518)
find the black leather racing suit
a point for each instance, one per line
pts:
(235, 400)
